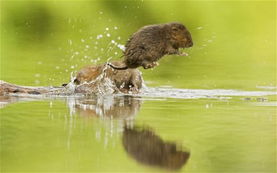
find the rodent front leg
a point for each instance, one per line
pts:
(172, 51)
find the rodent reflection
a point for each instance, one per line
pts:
(114, 107)
(142, 144)
(148, 148)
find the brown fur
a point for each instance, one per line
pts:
(125, 80)
(150, 43)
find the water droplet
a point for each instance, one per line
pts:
(37, 82)
(108, 35)
(107, 29)
(37, 75)
(115, 27)
(120, 46)
(99, 36)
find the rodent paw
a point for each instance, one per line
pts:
(156, 64)
(183, 54)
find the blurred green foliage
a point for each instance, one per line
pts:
(235, 41)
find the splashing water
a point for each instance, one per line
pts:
(120, 46)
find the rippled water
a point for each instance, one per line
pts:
(161, 129)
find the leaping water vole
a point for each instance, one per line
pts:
(150, 43)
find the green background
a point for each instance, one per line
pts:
(234, 41)
(42, 42)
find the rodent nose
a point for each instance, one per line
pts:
(190, 44)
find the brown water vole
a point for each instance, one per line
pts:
(129, 80)
(150, 43)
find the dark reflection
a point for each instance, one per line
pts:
(142, 144)
(148, 148)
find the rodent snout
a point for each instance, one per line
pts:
(189, 44)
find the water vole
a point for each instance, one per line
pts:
(129, 80)
(150, 43)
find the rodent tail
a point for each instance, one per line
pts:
(117, 68)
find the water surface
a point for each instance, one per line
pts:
(205, 131)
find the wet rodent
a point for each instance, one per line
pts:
(150, 43)
(124, 80)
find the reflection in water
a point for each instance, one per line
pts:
(124, 107)
(118, 113)
(112, 111)
(148, 148)
(142, 144)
